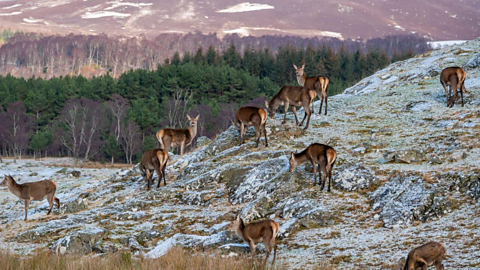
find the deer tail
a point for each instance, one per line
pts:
(159, 138)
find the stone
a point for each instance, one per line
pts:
(75, 174)
(203, 141)
(81, 242)
(354, 177)
(404, 199)
(474, 62)
(404, 156)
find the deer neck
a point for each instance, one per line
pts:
(192, 131)
(239, 231)
(301, 79)
(14, 188)
(301, 157)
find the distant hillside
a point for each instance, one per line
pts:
(355, 19)
(29, 54)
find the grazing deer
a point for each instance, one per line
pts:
(319, 84)
(318, 154)
(424, 256)
(455, 78)
(169, 137)
(154, 160)
(251, 116)
(36, 191)
(295, 96)
(261, 231)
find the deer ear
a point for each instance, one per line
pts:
(196, 118)
(266, 104)
(292, 155)
(303, 66)
(189, 118)
(295, 66)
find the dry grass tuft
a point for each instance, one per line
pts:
(176, 258)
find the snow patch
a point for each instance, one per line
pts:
(116, 4)
(244, 7)
(14, 6)
(11, 14)
(100, 14)
(445, 43)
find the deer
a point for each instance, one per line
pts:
(319, 84)
(36, 191)
(432, 253)
(251, 116)
(295, 96)
(154, 160)
(318, 154)
(454, 77)
(265, 231)
(169, 137)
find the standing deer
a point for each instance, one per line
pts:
(251, 116)
(295, 96)
(454, 77)
(261, 231)
(154, 160)
(319, 84)
(169, 137)
(36, 191)
(424, 256)
(318, 154)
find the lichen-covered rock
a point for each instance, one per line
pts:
(354, 177)
(202, 141)
(474, 62)
(404, 156)
(76, 205)
(80, 243)
(405, 198)
(75, 174)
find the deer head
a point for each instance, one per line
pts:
(270, 109)
(293, 162)
(193, 121)
(299, 71)
(235, 224)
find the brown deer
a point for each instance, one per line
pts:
(454, 77)
(261, 231)
(318, 154)
(251, 116)
(295, 96)
(319, 84)
(154, 160)
(35, 191)
(424, 256)
(169, 137)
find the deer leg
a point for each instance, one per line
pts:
(164, 177)
(268, 249)
(57, 201)
(149, 178)
(322, 174)
(159, 173)
(309, 113)
(285, 115)
(461, 91)
(265, 134)
(27, 203)
(259, 134)
(274, 250)
(455, 93)
(242, 131)
(315, 173)
(252, 249)
(321, 104)
(50, 203)
(326, 104)
(182, 149)
(446, 92)
(294, 110)
(329, 175)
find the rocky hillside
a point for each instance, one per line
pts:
(407, 172)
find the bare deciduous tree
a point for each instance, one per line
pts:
(131, 140)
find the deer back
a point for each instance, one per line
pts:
(265, 229)
(36, 190)
(447, 74)
(245, 114)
